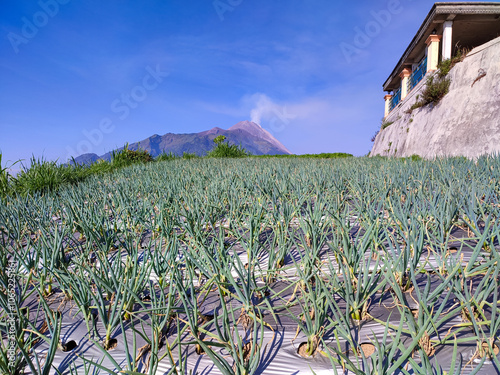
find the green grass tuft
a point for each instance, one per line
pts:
(5, 179)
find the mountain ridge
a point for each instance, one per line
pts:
(249, 135)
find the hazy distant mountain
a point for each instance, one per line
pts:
(86, 159)
(248, 134)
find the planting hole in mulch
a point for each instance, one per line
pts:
(199, 350)
(368, 349)
(486, 358)
(113, 343)
(69, 346)
(496, 349)
(302, 350)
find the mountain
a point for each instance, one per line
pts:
(257, 131)
(248, 134)
(86, 159)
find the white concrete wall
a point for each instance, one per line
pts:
(465, 123)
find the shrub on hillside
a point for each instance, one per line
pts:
(415, 157)
(127, 157)
(225, 150)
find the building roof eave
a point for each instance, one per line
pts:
(413, 43)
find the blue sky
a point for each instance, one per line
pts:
(88, 76)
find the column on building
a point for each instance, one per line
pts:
(405, 74)
(432, 52)
(387, 98)
(447, 39)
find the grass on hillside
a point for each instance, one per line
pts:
(43, 176)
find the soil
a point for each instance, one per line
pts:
(302, 350)
(199, 350)
(451, 250)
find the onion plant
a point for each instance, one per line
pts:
(163, 256)
(116, 286)
(161, 315)
(404, 254)
(280, 246)
(474, 303)
(347, 247)
(314, 227)
(313, 320)
(346, 352)
(51, 248)
(244, 351)
(432, 313)
(53, 322)
(76, 285)
(357, 286)
(204, 226)
(238, 280)
(19, 326)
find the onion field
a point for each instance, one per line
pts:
(256, 266)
